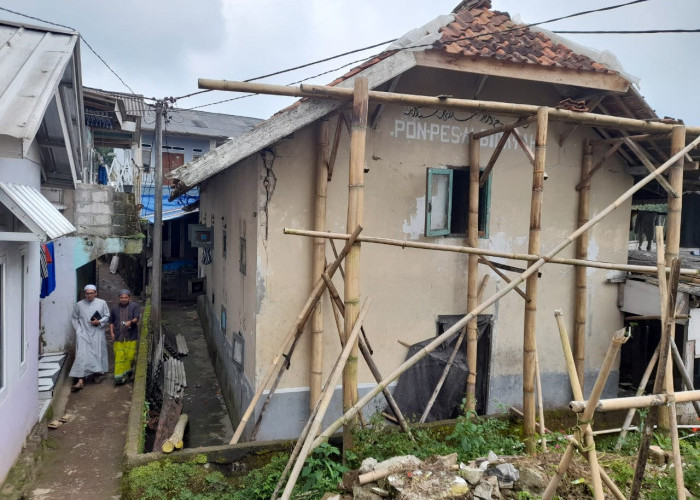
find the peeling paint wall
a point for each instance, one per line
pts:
(234, 291)
(411, 287)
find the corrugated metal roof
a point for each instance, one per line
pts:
(34, 210)
(33, 63)
(200, 123)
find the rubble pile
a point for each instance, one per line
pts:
(440, 477)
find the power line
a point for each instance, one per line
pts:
(621, 32)
(432, 44)
(80, 35)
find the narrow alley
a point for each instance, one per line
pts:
(83, 456)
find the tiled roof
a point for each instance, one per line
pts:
(480, 32)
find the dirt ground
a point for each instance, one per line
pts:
(84, 455)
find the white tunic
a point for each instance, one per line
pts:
(90, 342)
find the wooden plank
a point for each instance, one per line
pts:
(494, 157)
(532, 72)
(283, 124)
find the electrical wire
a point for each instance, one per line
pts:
(79, 35)
(412, 47)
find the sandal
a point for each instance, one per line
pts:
(76, 387)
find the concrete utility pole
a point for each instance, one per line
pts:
(157, 260)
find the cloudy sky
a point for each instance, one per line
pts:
(161, 47)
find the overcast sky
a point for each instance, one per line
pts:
(161, 47)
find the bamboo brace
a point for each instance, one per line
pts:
(493, 299)
(295, 331)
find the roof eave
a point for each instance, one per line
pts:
(611, 82)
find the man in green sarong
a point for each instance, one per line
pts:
(123, 327)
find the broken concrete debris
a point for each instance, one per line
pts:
(439, 477)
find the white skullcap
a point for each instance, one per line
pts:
(89, 287)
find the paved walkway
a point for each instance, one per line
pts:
(84, 456)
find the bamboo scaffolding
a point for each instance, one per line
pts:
(501, 274)
(492, 253)
(482, 287)
(687, 382)
(638, 137)
(351, 295)
(293, 333)
(603, 475)
(634, 147)
(584, 197)
(667, 304)
(640, 391)
(608, 154)
(473, 273)
(618, 338)
(342, 274)
(523, 146)
(506, 127)
(540, 405)
(345, 94)
(533, 247)
(494, 298)
(364, 349)
(673, 238)
(318, 262)
(333, 378)
(494, 157)
(443, 376)
(336, 143)
(649, 401)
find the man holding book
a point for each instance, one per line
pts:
(90, 316)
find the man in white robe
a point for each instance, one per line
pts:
(90, 316)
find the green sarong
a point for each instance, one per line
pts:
(124, 354)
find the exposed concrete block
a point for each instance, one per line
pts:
(100, 196)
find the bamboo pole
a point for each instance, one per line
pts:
(560, 472)
(506, 127)
(443, 376)
(318, 262)
(585, 432)
(294, 332)
(174, 442)
(498, 295)
(659, 385)
(641, 156)
(343, 94)
(687, 382)
(648, 401)
(364, 349)
(494, 157)
(523, 146)
(608, 154)
(540, 405)
(533, 247)
(619, 337)
(673, 238)
(500, 273)
(640, 391)
(482, 287)
(484, 252)
(336, 143)
(584, 197)
(351, 294)
(603, 475)
(473, 273)
(638, 137)
(328, 391)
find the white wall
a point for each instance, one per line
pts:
(18, 396)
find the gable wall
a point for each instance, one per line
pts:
(410, 288)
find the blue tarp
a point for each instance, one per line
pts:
(171, 209)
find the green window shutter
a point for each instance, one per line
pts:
(438, 202)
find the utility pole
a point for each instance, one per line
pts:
(157, 260)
